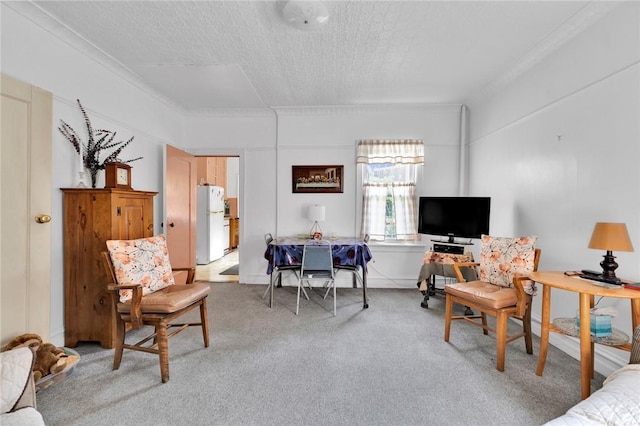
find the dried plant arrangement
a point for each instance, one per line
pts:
(97, 141)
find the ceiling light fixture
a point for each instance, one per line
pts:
(305, 15)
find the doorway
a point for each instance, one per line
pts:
(223, 171)
(223, 270)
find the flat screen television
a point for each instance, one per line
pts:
(462, 217)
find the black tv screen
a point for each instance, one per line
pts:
(463, 217)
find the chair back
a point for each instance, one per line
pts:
(317, 258)
(268, 238)
(108, 266)
(143, 261)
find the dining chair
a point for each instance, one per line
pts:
(356, 277)
(145, 291)
(502, 290)
(277, 271)
(317, 265)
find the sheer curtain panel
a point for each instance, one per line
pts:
(389, 187)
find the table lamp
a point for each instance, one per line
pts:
(316, 214)
(609, 237)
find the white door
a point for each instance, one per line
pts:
(25, 206)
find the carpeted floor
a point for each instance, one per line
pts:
(386, 365)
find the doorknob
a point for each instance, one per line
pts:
(43, 218)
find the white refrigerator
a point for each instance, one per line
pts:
(210, 224)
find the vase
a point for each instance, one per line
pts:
(94, 176)
(82, 176)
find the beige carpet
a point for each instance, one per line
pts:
(386, 365)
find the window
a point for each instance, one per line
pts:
(389, 174)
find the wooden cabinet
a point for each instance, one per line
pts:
(91, 217)
(221, 173)
(234, 232)
(213, 170)
(206, 170)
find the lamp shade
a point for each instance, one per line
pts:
(610, 236)
(316, 212)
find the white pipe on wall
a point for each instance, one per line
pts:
(463, 169)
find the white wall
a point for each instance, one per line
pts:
(558, 150)
(270, 143)
(32, 54)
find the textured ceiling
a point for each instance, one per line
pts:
(242, 54)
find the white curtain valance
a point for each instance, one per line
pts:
(395, 151)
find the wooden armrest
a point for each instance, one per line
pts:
(521, 294)
(126, 286)
(135, 311)
(458, 272)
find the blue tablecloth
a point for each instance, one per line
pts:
(345, 252)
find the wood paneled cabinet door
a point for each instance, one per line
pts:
(234, 232)
(206, 170)
(221, 173)
(91, 217)
(213, 171)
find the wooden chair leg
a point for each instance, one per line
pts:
(204, 320)
(501, 339)
(117, 355)
(484, 323)
(448, 306)
(526, 325)
(163, 351)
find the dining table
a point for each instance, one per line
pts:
(348, 253)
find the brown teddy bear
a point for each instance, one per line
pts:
(30, 340)
(49, 358)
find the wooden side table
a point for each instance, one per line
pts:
(440, 264)
(587, 291)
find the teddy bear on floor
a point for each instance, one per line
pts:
(30, 340)
(49, 358)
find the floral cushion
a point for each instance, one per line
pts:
(143, 261)
(502, 259)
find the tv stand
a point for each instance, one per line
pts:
(441, 264)
(439, 246)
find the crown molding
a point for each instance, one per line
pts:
(49, 23)
(322, 110)
(363, 109)
(580, 21)
(230, 112)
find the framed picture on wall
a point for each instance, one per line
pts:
(316, 179)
